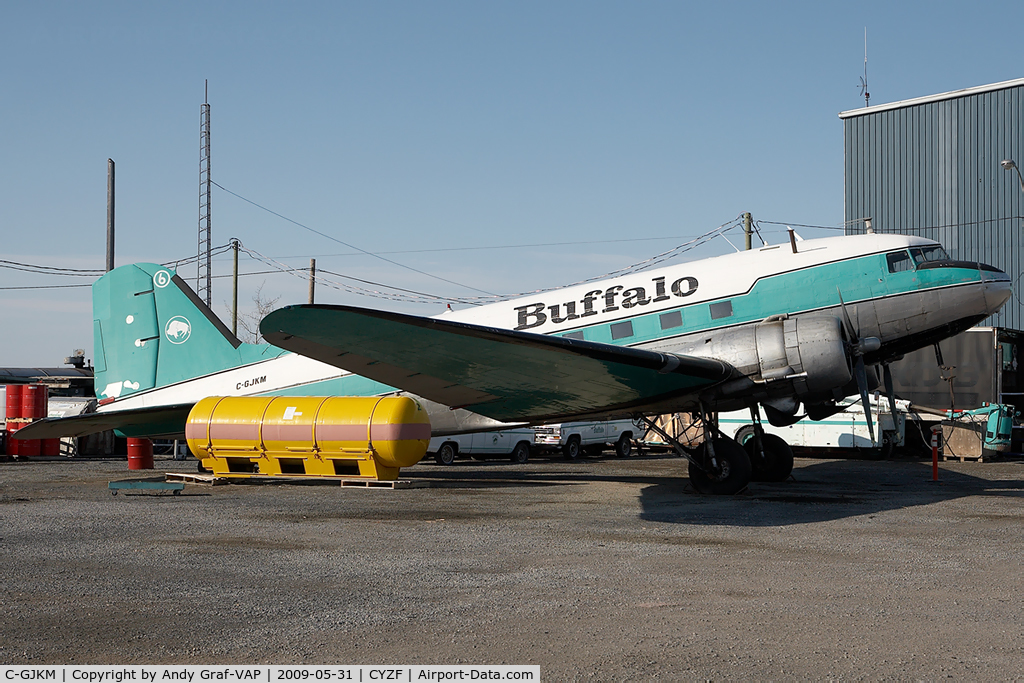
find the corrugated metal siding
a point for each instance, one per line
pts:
(932, 169)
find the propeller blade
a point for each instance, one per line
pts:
(847, 323)
(862, 384)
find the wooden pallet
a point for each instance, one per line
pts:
(195, 478)
(964, 458)
(378, 484)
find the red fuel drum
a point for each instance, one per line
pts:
(34, 401)
(23, 448)
(140, 454)
(14, 393)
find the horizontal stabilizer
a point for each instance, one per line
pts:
(158, 421)
(502, 374)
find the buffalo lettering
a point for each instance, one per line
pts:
(536, 314)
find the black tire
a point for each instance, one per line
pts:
(521, 453)
(777, 463)
(201, 469)
(571, 450)
(624, 446)
(731, 475)
(445, 454)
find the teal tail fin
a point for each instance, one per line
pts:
(150, 330)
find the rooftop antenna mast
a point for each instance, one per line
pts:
(203, 288)
(864, 79)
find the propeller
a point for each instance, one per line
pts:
(858, 347)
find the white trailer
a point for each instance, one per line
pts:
(845, 430)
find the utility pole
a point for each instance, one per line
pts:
(748, 223)
(110, 215)
(312, 277)
(234, 289)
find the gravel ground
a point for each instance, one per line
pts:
(602, 569)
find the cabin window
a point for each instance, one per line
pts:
(899, 261)
(722, 309)
(926, 254)
(574, 335)
(671, 319)
(622, 330)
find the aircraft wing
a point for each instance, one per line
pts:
(156, 421)
(502, 374)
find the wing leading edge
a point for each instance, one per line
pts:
(502, 374)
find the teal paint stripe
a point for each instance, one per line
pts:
(348, 385)
(794, 292)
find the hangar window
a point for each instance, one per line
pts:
(671, 319)
(574, 335)
(622, 330)
(899, 261)
(722, 309)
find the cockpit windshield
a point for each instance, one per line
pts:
(926, 254)
(918, 257)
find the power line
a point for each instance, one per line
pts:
(47, 287)
(486, 248)
(350, 246)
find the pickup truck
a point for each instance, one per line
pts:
(576, 438)
(514, 444)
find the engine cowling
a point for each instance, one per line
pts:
(809, 352)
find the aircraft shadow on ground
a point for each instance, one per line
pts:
(820, 492)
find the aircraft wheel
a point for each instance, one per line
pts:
(521, 453)
(571, 450)
(445, 454)
(731, 475)
(624, 446)
(777, 463)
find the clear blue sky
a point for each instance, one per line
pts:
(411, 126)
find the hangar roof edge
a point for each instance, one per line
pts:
(931, 98)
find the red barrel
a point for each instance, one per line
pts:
(14, 392)
(50, 447)
(34, 401)
(140, 454)
(23, 448)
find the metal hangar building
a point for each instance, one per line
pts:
(940, 167)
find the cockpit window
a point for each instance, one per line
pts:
(899, 261)
(926, 254)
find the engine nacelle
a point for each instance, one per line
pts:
(808, 350)
(320, 436)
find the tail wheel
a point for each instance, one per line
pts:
(777, 463)
(571, 450)
(729, 474)
(624, 446)
(521, 453)
(445, 454)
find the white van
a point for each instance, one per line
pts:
(514, 444)
(575, 438)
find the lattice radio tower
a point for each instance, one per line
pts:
(203, 288)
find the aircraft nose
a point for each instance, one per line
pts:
(998, 288)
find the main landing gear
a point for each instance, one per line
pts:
(771, 458)
(719, 466)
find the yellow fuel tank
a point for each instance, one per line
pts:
(338, 436)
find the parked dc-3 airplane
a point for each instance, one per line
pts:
(774, 328)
